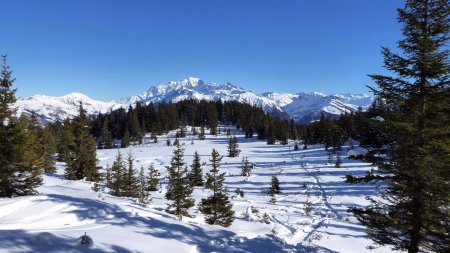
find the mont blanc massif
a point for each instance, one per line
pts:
(302, 107)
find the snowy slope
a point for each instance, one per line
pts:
(64, 210)
(303, 107)
(51, 109)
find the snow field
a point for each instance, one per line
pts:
(309, 216)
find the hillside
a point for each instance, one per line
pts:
(64, 210)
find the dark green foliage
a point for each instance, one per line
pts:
(153, 178)
(179, 189)
(132, 124)
(45, 144)
(413, 215)
(246, 167)
(201, 135)
(117, 174)
(233, 147)
(271, 138)
(20, 165)
(196, 173)
(81, 158)
(130, 186)
(126, 139)
(217, 208)
(274, 188)
(106, 140)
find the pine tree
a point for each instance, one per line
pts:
(117, 176)
(196, 173)
(217, 208)
(246, 167)
(47, 143)
(201, 135)
(233, 147)
(130, 181)
(153, 178)
(178, 188)
(274, 188)
(82, 159)
(271, 139)
(413, 215)
(126, 139)
(106, 137)
(143, 193)
(20, 165)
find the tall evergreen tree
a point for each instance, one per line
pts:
(274, 188)
(196, 173)
(126, 139)
(233, 147)
(153, 178)
(201, 135)
(413, 215)
(20, 165)
(106, 140)
(82, 160)
(271, 139)
(117, 176)
(130, 180)
(143, 193)
(246, 167)
(179, 189)
(217, 208)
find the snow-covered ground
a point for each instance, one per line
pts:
(64, 210)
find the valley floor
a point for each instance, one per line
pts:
(53, 220)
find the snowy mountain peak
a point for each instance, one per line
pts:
(302, 107)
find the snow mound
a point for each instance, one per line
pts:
(357, 151)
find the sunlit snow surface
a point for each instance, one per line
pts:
(64, 210)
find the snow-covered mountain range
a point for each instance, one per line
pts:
(302, 107)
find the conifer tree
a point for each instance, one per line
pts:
(233, 147)
(82, 160)
(143, 193)
(179, 189)
(217, 208)
(117, 176)
(106, 137)
(246, 167)
(153, 178)
(126, 139)
(413, 215)
(196, 173)
(20, 165)
(271, 139)
(274, 186)
(130, 181)
(201, 135)
(45, 144)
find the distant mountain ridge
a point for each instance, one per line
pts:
(302, 107)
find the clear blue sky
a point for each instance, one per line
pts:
(109, 48)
